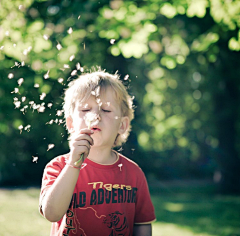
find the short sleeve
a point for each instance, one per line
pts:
(144, 208)
(50, 174)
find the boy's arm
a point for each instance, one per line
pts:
(58, 197)
(142, 230)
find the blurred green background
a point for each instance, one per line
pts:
(179, 59)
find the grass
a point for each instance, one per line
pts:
(180, 212)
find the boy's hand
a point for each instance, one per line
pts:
(78, 144)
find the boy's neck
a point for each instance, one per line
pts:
(102, 156)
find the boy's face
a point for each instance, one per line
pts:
(105, 118)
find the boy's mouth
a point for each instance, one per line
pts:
(95, 129)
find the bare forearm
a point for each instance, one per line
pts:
(142, 230)
(58, 197)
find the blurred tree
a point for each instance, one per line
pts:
(181, 58)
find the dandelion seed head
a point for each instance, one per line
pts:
(91, 119)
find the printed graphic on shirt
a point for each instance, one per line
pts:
(105, 193)
(99, 193)
(117, 222)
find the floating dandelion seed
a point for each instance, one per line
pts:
(20, 127)
(7, 33)
(120, 166)
(79, 17)
(10, 75)
(98, 100)
(46, 37)
(20, 7)
(17, 104)
(35, 159)
(72, 58)
(59, 46)
(36, 85)
(36, 106)
(70, 30)
(66, 66)
(50, 122)
(25, 52)
(112, 41)
(16, 90)
(126, 77)
(50, 146)
(46, 76)
(49, 105)
(74, 72)
(27, 128)
(93, 93)
(108, 103)
(20, 81)
(14, 45)
(23, 99)
(116, 117)
(78, 66)
(42, 96)
(59, 112)
(23, 63)
(2, 47)
(60, 80)
(41, 108)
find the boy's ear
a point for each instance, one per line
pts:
(123, 125)
(69, 123)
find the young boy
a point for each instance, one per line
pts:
(93, 190)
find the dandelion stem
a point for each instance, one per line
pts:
(77, 162)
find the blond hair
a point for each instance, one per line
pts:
(93, 83)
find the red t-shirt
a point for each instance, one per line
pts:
(107, 199)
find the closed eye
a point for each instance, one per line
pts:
(106, 110)
(85, 110)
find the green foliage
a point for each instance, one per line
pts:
(177, 55)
